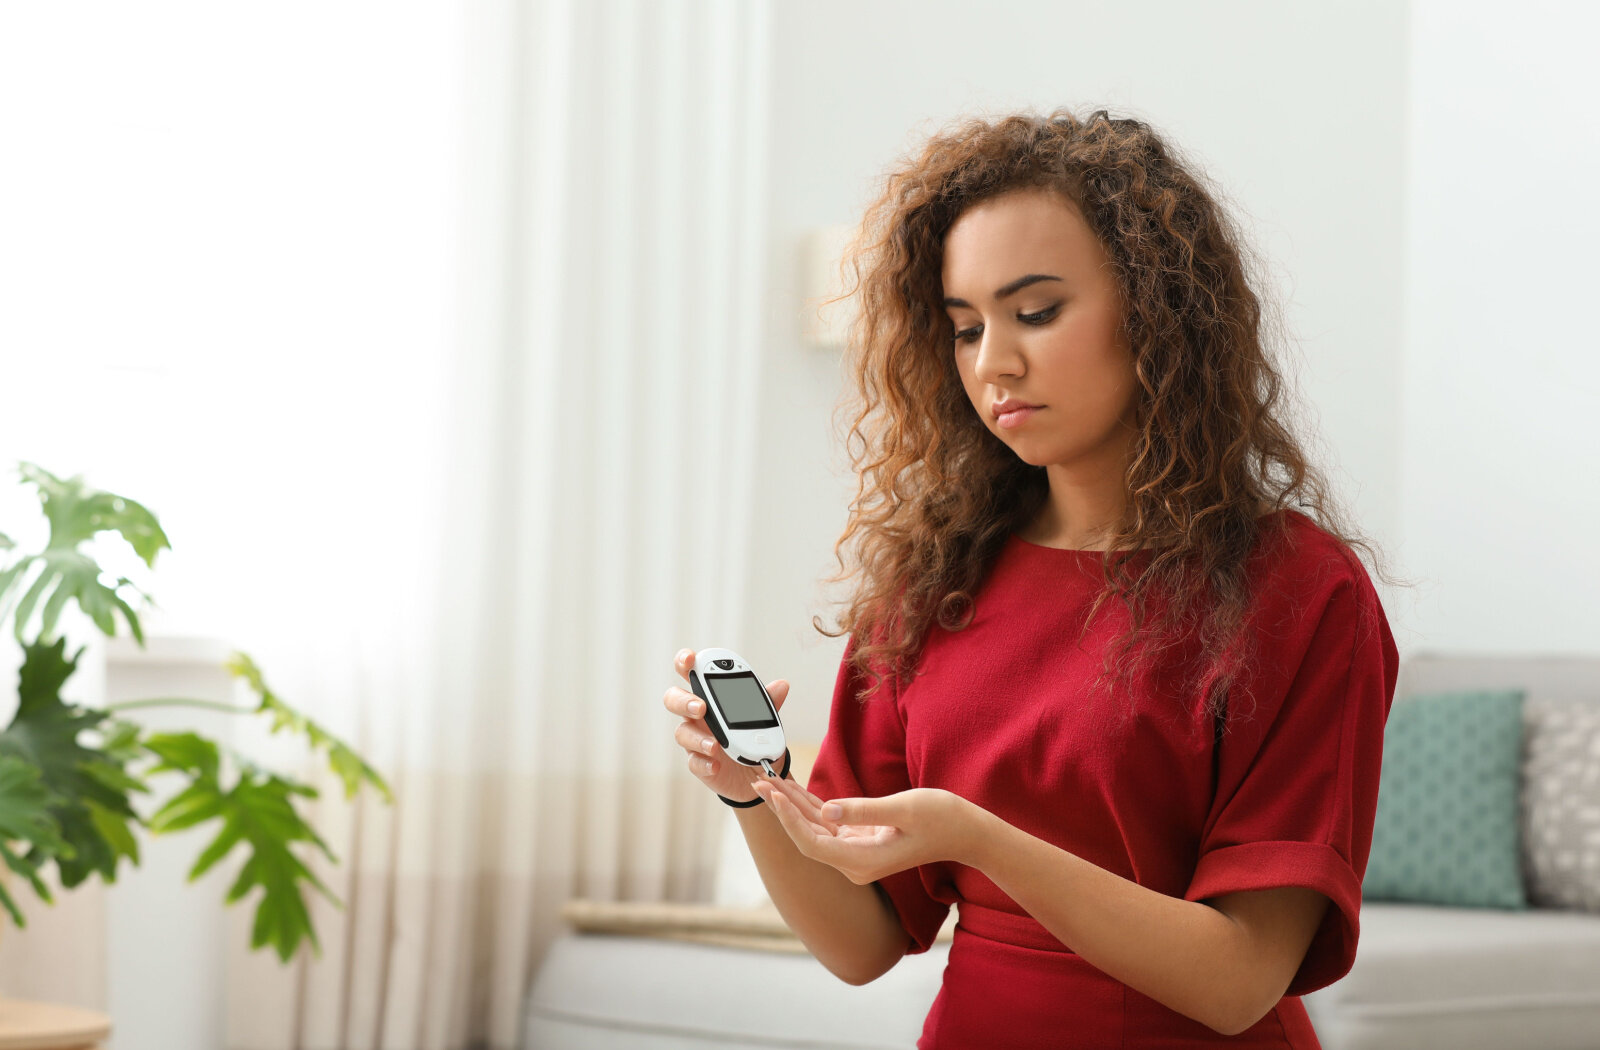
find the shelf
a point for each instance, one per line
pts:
(50, 1026)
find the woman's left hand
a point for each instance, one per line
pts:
(873, 837)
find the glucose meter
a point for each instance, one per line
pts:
(739, 712)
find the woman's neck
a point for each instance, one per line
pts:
(1044, 532)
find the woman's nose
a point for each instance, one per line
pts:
(998, 356)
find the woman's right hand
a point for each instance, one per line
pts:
(730, 779)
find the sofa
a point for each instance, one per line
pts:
(1490, 978)
(632, 977)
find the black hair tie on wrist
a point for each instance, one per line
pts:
(787, 761)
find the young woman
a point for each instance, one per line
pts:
(1109, 689)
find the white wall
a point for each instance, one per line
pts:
(1500, 476)
(1296, 111)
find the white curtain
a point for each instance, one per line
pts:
(514, 565)
(595, 501)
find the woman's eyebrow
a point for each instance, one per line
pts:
(1015, 286)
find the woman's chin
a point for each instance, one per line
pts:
(1030, 452)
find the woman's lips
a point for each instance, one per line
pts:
(1017, 418)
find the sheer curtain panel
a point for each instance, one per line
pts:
(607, 362)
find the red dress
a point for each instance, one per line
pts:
(998, 715)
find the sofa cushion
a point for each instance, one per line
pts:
(1446, 828)
(1561, 802)
(1466, 978)
(613, 992)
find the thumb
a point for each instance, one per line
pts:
(778, 689)
(853, 810)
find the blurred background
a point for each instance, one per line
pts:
(469, 356)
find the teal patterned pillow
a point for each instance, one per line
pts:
(1446, 830)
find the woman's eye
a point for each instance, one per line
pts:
(1045, 316)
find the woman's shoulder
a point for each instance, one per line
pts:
(1296, 557)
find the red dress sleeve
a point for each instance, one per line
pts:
(863, 755)
(1297, 772)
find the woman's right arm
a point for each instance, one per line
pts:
(852, 930)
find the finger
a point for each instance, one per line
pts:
(801, 791)
(814, 799)
(682, 702)
(798, 828)
(692, 738)
(864, 812)
(684, 660)
(805, 831)
(806, 803)
(796, 796)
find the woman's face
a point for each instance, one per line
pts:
(1038, 319)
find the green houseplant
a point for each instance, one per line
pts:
(67, 771)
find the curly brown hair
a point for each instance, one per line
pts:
(939, 495)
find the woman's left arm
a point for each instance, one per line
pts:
(1224, 964)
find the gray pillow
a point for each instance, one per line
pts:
(1561, 803)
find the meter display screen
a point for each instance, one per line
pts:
(741, 701)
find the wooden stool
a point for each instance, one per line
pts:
(50, 1026)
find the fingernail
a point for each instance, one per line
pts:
(695, 707)
(833, 811)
